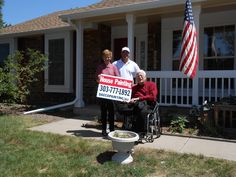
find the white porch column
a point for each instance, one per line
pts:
(79, 64)
(130, 18)
(196, 14)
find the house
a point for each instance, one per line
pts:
(152, 29)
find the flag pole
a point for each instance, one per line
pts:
(196, 13)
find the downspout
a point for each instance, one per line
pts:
(63, 104)
(52, 107)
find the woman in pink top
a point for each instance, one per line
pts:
(107, 106)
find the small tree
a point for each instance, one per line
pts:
(18, 73)
(1, 21)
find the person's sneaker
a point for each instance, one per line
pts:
(104, 133)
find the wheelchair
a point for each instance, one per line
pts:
(153, 123)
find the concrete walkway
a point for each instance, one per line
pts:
(87, 129)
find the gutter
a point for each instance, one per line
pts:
(63, 104)
(33, 32)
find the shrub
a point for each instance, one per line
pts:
(8, 88)
(178, 125)
(18, 73)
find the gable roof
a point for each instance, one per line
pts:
(53, 20)
(104, 7)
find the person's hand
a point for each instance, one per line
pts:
(134, 100)
(98, 78)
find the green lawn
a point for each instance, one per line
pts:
(24, 153)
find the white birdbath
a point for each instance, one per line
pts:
(123, 141)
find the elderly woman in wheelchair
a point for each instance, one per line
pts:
(143, 108)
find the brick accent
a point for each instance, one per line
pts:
(95, 41)
(37, 94)
(37, 43)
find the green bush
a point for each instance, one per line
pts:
(18, 73)
(211, 130)
(8, 88)
(178, 125)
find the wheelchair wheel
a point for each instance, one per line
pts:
(156, 125)
(149, 138)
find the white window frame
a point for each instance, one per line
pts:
(222, 18)
(219, 57)
(175, 58)
(11, 43)
(68, 79)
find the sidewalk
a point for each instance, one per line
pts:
(209, 148)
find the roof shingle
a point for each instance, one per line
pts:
(52, 20)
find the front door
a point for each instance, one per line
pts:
(119, 43)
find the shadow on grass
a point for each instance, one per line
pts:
(69, 114)
(105, 157)
(84, 133)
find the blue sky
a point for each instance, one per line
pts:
(17, 11)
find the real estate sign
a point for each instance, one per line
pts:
(114, 88)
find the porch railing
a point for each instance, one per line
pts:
(176, 89)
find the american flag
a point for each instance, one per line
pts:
(189, 49)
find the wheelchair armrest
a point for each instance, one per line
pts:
(155, 109)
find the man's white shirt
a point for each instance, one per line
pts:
(127, 70)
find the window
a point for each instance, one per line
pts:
(219, 48)
(56, 62)
(142, 55)
(176, 47)
(4, 52)
(59, 73)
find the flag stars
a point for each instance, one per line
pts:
(189, 12)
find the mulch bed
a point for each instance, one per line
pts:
(18, 109)
(12, 109)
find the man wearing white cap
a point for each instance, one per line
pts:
(127, 68)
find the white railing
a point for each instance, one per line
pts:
(176, 89)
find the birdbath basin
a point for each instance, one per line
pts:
(123, 141)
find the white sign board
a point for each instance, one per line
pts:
(114, 88)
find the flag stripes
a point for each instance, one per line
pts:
(189, 49)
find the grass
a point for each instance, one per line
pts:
(24, 153)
